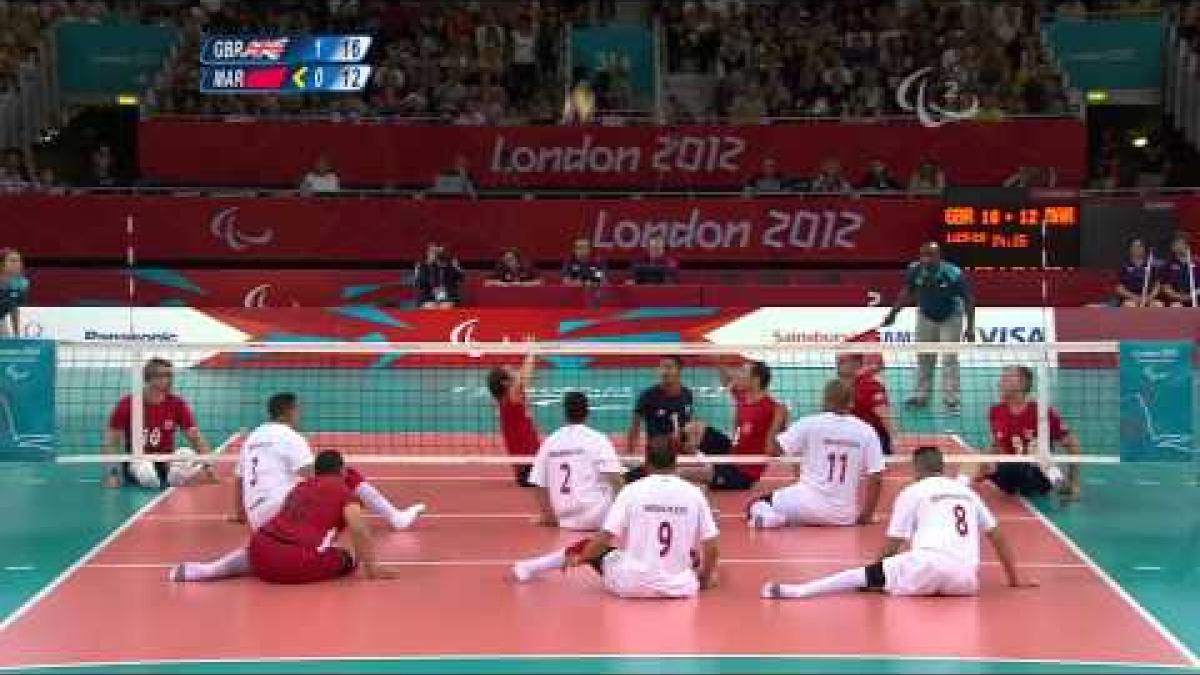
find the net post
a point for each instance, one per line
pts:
(137, 423)
(1042, 370)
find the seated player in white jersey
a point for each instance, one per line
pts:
(576, 470)
(661, 521)
(939, 519)
(275, 458)
(839, 450)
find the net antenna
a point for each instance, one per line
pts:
(137, 423)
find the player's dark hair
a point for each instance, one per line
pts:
(676, 359)
(838, 396)
(761, 372)
(661, 451)
(575, 404)
(1026, 374)
(328, 462)
(928, 460)
(154, 364)
(498, 381)
(281, 404)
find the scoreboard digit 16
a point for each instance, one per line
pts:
(1007, 228)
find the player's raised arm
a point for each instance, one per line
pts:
(364, 545)
(525, 374)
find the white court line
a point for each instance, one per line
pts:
(516, 658)
(844, 562)
(208, 517)
(92, 552)
(1147, 568)
(509, 479)
(1146, 616)
(19, 568)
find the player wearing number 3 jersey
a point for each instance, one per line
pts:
(576, 470)
(940, 521)
(838, 449)
(661, 521)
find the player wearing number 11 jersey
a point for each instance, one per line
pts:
(839, 449)
(576, 470)
(939, 520)
(667, 532)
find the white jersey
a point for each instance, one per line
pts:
(838, 450)
(661, 521)
(271, 457)
(937, 514)
(571, 464)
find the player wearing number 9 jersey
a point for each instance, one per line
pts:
(661, 521)
(577, 471)
(839, 450)
(939, 520)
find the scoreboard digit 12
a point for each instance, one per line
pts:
(1002, 228)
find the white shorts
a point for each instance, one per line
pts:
(626, 577)
(929, 573)
(262, 513)
(802, 505)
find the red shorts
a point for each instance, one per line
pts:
(278, 562)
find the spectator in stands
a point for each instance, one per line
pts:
(101, 171)
(523, 71)
(455, 181)
(14, 291)
(14, 163)
(321, 179)
(879, 178)
(928, 177)
(656, 267)
(10, 183)
(768, 181)
(1179, 274)
(48, 182)
(510, 271)
(1139, 282)
(582, 268)
(830, 179)
(943, 301)
(437, 279)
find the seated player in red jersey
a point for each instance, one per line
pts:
(296, 546)
(871, 403)
(758, 419)
(1014, 426)
(508, 388)
(164, 413)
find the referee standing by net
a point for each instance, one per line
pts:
(943, 301)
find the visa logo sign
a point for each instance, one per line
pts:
(991, 335)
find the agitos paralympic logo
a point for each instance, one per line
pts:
(938, 97)
(224, 226)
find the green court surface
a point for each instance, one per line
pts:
(1140, 523)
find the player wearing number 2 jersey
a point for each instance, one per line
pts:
(661, 521)
(940, 521)
(577, 471)
(839, 449)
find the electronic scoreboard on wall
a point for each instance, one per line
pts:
(1010, 228)
(306, 64)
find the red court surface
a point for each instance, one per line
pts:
(454, 597)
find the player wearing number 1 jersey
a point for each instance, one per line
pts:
(758, 418)
(577, 471)
(668, 536)
(939, 520)
(839, 450)
(508, 387)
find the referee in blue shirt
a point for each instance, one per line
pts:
(943, 301)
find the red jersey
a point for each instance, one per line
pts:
(313, 512)
(869, 394)
(160, 421)
(751, 423)
(1015, 431)
(516, 425)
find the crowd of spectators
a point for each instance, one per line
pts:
(806, 58)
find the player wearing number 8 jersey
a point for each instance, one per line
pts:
(940, 521)
(577, 471)
(839, 449)
(661, 521)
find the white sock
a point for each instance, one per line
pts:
(232, 564)
(764, 515)
(848, 580)
(545, 563)
(374, 500)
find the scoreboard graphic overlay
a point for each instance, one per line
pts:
(239, 64)
(1010, 228)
